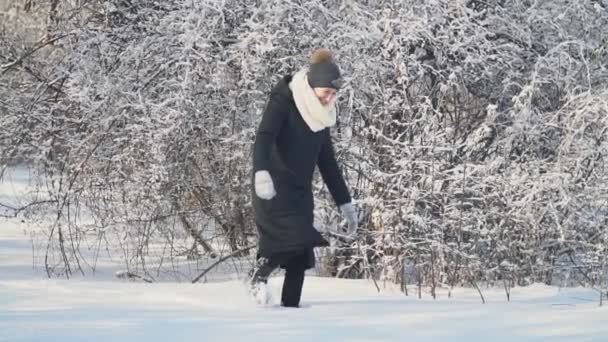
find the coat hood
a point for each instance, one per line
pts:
(282, 90)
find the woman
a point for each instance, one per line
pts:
(293, 138)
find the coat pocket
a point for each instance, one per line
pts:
(282, 204)
(291, 201)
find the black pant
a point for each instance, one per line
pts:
(295, 267)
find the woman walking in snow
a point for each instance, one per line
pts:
(293, 138)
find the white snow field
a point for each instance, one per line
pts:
(34, 308)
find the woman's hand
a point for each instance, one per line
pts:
(349, 211)
(264, 187)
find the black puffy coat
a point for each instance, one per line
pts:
(289, 150)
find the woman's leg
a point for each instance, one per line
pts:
(258, 287)
(294, 280)
(264, 266)
(262, 270)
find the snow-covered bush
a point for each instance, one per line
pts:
(473, 133)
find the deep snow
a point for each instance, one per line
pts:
(33, 308)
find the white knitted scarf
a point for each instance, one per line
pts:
(316, 115)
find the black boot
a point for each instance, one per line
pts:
(258, 288)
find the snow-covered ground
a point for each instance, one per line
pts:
(33, 308)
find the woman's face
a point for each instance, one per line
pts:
(325, 95)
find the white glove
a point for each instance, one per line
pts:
(264, 187)
(349, 212)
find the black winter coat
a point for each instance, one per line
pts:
(289, 150)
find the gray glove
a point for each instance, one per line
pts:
(350, 213)
(264, 187)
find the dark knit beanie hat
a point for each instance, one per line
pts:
(323, 71)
